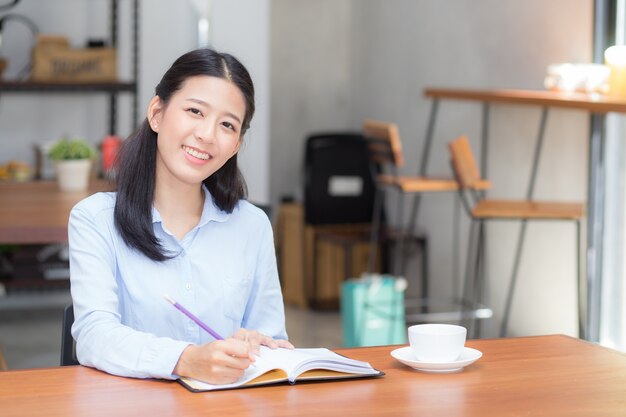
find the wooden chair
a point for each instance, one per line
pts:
(385, 148)
(481, 209)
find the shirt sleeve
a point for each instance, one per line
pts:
(265, 311)
(102, 341)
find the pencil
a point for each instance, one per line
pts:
(194, 318)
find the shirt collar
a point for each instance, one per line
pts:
(210, 212)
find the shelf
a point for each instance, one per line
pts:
(42, 87)
(110, 89)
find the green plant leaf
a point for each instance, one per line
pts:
(71, 149)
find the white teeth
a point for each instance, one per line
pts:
(195, 153)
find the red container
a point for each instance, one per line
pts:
(110, 146)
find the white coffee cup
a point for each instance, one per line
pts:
(437, 343)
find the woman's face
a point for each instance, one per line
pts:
(198, 130)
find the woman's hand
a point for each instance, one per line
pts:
(256, 339)
(224, 361)
(218, 362)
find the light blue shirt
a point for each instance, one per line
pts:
(224, 272)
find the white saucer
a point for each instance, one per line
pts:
(468, 356)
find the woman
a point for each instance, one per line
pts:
(178, 225)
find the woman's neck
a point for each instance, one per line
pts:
(180, 206)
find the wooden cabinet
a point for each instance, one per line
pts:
(314, 261)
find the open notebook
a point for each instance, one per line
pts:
(287, 365)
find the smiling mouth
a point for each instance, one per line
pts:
(196, 154)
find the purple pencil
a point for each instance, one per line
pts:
(192, 317)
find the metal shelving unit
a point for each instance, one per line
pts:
(45, 293)
(112, 89)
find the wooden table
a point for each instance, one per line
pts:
(595, 103)
(37, 212)
(597, 106)
(533, 376)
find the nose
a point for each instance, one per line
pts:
(205, 131)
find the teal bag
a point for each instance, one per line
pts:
(372, 311)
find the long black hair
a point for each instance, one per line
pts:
(136, 162)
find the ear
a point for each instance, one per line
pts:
(154, 113)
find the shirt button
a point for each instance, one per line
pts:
(188, 287)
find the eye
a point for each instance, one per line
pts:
(230, 126)
(195, 111)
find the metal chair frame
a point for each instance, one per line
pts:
(467, 176)
(386, 149)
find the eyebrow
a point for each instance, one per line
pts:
(204, 103)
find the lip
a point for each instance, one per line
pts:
(195, 159)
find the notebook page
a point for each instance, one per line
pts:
(293, 362)
(322, 358)
(297, 361)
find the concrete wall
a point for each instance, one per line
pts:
(396, 48)
(310, 82)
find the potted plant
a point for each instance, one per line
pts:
(73, 159)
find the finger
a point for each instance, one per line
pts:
(236, 348)
(241, 334)
(251, 337)
(226, 374)
(255, 345)
(256, 339)
(237, 363)
(216, 362)
(269, 342)
(229, 361)
(284, 344)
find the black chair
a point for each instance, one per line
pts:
(3, 362)
(339, 187)
(68, 345)
(339, 195)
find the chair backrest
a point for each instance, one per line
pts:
(339, 185)
(3, 362)
(68, 346)
(384, 142)
(464, 164)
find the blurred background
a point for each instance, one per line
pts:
(325, 66)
